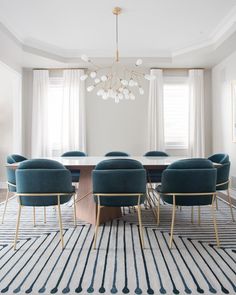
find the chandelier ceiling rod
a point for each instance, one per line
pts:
(116, 11)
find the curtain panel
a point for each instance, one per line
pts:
(71, 117)
(156, 112)
(40, 136)
(196, 114)
(73, 135)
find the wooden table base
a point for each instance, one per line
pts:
(86, 207)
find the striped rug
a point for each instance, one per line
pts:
(119, 266)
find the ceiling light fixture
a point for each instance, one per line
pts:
(115, 81)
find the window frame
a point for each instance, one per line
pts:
(174, 80)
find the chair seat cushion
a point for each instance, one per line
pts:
(119, 201)
(43, 201)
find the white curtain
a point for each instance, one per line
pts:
(155, 112)
(196, 114)
(73, 136)
(39, 138)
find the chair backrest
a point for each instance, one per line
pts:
(190, 176)
(119, 176)
(74, 154)
(222, 171)
(219, 158)
(156, 154)
(15, 158)
(42, 176)
(116, 154)
(11, 175)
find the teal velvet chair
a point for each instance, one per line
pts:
(74, 174)
(116, 154)
(223, 180)
(118, 183)
(190, 182)
(11, 178)
(43, 183)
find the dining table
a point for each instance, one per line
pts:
(85, 205)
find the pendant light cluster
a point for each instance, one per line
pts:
(116, 81)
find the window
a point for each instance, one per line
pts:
(176, 114)
(55, 100)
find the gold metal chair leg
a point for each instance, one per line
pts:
(34, 223)
(74, 209)
(199, 215)
(96, 226)
(216, 200)
(214, 221)
(192, 220)
(5, 206)
(17, 226)
(140, 225)
(230, 204)
(60, 220)
(44, 215)
(172, 223)
(158, 211)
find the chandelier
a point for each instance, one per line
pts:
(115, 81)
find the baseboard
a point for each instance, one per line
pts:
(3, 185)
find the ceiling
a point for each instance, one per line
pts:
(163, 32)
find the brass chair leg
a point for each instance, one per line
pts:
(192, 220)
(230, 204)
(214, 220)
(140, 225)
(199, 215)
(5, 206)
(216, 200)
(34, 223)
(74, 209)
(158, 211)
(17, 226)
(96, 226)
(60, 220)
(45, 214)
(172, 222)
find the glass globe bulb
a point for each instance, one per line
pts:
(126, 91)
(141, 91)
(100, 92)
(84, 57)
(97, 80)
(84, 77)
(131, 82)
(105, 95)
(149, 77)
(93, 75)
(139, 61)
(131, 96)
(124, 82)
(120, 96)
(104, 78)
(90, 88)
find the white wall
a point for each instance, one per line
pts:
(222, 75)
(112, 126)
(10, 115)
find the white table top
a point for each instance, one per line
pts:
(93, 161)
(80, 162)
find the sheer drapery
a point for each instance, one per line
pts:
(196, 114)
(73, 135)
(156, 112)
(40, 136)
(58, 115)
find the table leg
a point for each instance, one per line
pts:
(86, 208)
